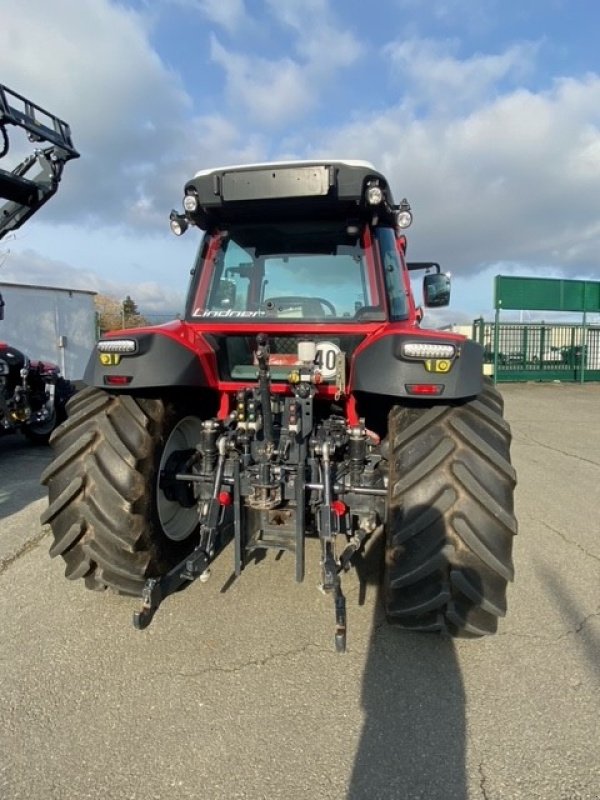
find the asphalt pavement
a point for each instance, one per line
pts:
(235, 690)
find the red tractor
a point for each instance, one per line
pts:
(299, 397)
(32, 393)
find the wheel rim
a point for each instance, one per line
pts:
(177, 521)
(44, 428)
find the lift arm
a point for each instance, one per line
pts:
(23, 189)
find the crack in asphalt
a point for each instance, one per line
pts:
(259, 662)
(482, 780)
(552, 640)
(31, 544)
(581, 625)
(570, 541)
(526, 438)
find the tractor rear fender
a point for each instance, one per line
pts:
(384, 368)
(160, 359)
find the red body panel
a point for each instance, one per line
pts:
(196, 332)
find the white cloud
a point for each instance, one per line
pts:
(429, 72)
(517, 179)
(91, 63)
(30, 267)
(275, 92)
(229, 14)
(269, 92)
(325, 45)
(464, 15)
(225, 143)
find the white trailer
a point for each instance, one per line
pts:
(50, 324)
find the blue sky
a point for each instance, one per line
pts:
(486, 115)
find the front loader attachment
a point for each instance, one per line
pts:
(24, 189)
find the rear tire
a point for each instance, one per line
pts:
(450, 522)
(103, 492)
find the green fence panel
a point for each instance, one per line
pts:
(540, 351)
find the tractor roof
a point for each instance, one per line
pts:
(285, 190)
(277, 164)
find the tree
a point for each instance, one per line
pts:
(114, 315)
(130, 308)
(108, 312)
(131, 315)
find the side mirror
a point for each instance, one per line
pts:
(436, 290)
(2, 304)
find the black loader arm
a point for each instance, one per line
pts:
(31, 183)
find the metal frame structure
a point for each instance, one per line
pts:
(24, 192)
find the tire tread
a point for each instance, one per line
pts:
(451, 522)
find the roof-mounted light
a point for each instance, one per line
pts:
(374, 195)
(427, 350)
(117, 346)
(178, 223)
(404, 215)
(191, 203)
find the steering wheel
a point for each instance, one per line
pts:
(311, 306)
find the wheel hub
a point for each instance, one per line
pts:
(175, 500)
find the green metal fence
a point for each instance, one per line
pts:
(540, 351)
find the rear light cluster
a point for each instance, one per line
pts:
(117, 380)
(428, 389)
(427, 350)
(117, 346)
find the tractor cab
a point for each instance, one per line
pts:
(296, 243)
(302, 251)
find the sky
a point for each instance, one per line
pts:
(484, 114)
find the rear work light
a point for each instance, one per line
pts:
(427, 350)
(117, 346)
(428, 389)
(404, 215)
(178, 223)
(191, 203)
(374, 195)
